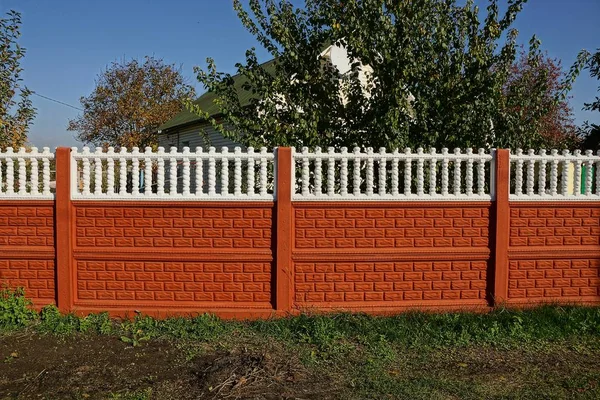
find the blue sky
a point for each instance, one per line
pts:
(69, 42)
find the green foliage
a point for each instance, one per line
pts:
(425, 73)
(590, 132)
(145, 394)
(327, 333)
(433, 330)
(130, 101)
(15, 309)
(16, 110)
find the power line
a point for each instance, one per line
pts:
(57, 101)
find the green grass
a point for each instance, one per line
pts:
(506, 353)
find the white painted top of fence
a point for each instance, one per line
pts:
(553, 176)
(25, 174)
(174, 175)
(395, 176)
(360, 175)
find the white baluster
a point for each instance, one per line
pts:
(199, 172)
(565, 174)
(46, 171)
(318, 172)
(110, 172)
(22, 172)
(344, 173)
(122, 171)
(457, 174)
(420, 172)
(224, 171)
(148, 171)
(305, 172)
(382, 171)
(10, 171)
(369, 178)
(263, 171)
(173, 171)
(160, 173)
(35, 183)
(250, 176)
(469, 173)
(519, 174)
(212, 172)
(432, 172)
(588, 176)
(356, 172)
(98, 172)
(577, 174)
(330, 172)
(237, 171)
(407, 173)
(135, 172)
(554, 173)
(445, 167)
(542, 174)
(186, 171)
(395, 180)
(481, 174)
(530, 173)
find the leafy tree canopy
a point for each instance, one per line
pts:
(16, 109)
(424, 73)
(591, 132)
(130, 101)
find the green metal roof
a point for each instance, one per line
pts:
(206, 102)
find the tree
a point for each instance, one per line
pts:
(130, 101)
(436, 75)
(553, 116)
(590, 132)
(16, 109)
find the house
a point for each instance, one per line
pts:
(187, 129)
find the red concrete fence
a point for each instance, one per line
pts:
(283, 250)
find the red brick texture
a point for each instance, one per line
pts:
(554, 252)
(180, 227)
(389, 254)
(27, 246)
(254, 259)
(170, 255)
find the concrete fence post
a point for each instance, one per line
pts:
(64, 237)
(283, 227)
(502, 216)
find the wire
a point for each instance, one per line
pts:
(57, 101)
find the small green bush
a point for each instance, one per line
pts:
(15, 309)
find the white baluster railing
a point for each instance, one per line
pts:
(376, 176)
(20, 174)
(168, 176)
(570, 177)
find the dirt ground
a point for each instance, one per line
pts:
(100, 367)
(34, 366)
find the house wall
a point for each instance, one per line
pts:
(197, 135)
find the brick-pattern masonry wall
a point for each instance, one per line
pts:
(27, 246)
(167, 255)
(255, 258)
(554, 252)
(336, 244)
